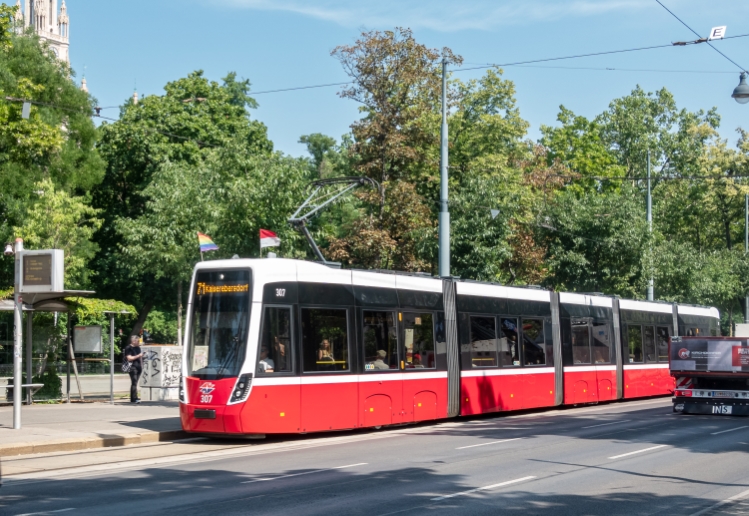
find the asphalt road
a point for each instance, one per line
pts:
(622, 458)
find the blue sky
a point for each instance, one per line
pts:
(287, 43)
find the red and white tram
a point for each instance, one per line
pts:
(287, 346)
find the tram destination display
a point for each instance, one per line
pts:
(42, 271)
(709, 355)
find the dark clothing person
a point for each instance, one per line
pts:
(136, 368)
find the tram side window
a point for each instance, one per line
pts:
(275, 347)
(418, 340)
(534, 343)
(661, 341)
(484, 342)
(601, 343)
(648, 344)
(634, 338)
(580, 342)
(324, 340)
(509, 353)
(380, 342)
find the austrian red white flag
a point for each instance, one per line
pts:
(269, 239)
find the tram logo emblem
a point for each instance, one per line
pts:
(683, 353)
(207, 388)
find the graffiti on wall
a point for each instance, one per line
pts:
(161, 366)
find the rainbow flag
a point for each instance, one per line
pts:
(206, 244)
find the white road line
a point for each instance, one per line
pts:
(607, 424)
(485, 488)
(638, 451)
(47, 512)
(721, 503)
(731, 430)
(305, 473)
(487, 444)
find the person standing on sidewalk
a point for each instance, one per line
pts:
(134, 355)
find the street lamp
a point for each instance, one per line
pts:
(741, 92)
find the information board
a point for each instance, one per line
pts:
(87, 339)
(37, 270)
(42, 271)
(710, 354)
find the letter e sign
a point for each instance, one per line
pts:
(717, 33)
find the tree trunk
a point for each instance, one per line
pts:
(142, 314)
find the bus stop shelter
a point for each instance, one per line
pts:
(45, 302)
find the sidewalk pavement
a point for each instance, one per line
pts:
(79, 426)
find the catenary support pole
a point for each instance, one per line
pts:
(67, 345)
(29, 356)
(111, 359)
(17, 338)
(179, 313)
(650, 229)
(746, 250)
(444, 215)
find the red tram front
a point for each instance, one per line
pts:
(287, 346)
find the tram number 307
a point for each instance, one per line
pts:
(280, 292)
(722, 409)
(206, 398)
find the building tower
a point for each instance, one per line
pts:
(50, 24)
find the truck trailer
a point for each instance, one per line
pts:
(711, 375)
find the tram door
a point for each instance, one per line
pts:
(329, 387)
(580, 380)
(381, 385)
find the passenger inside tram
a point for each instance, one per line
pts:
(266, 364)
(379, 362)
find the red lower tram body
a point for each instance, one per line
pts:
(283, 346)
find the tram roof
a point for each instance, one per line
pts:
(287, 269)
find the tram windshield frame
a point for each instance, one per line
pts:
(219, 323)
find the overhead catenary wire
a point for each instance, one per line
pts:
(517, 63)
(696, 34)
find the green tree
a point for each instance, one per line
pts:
(184, 127)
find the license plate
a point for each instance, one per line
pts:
(723, 394)
(722, 409)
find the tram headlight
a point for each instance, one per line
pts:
(242, 388)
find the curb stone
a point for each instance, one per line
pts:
(87, 443)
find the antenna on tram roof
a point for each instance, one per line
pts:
(324, 193)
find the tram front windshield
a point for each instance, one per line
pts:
(220, 324)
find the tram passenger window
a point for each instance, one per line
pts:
(275, 347)
(534, 344)
(418, 340)
(601, 343)
(324, 340)
(509, 352)
(661, 339)
(380, 342)
(580, 342)
(648, 344)
(634, 337)
(484, 342)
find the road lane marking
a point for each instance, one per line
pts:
(487, 444)
(731, 430)
(47, 512)
(721, 503)
(485, 488)
(607, 424)
(638, 451)
(300, 474)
